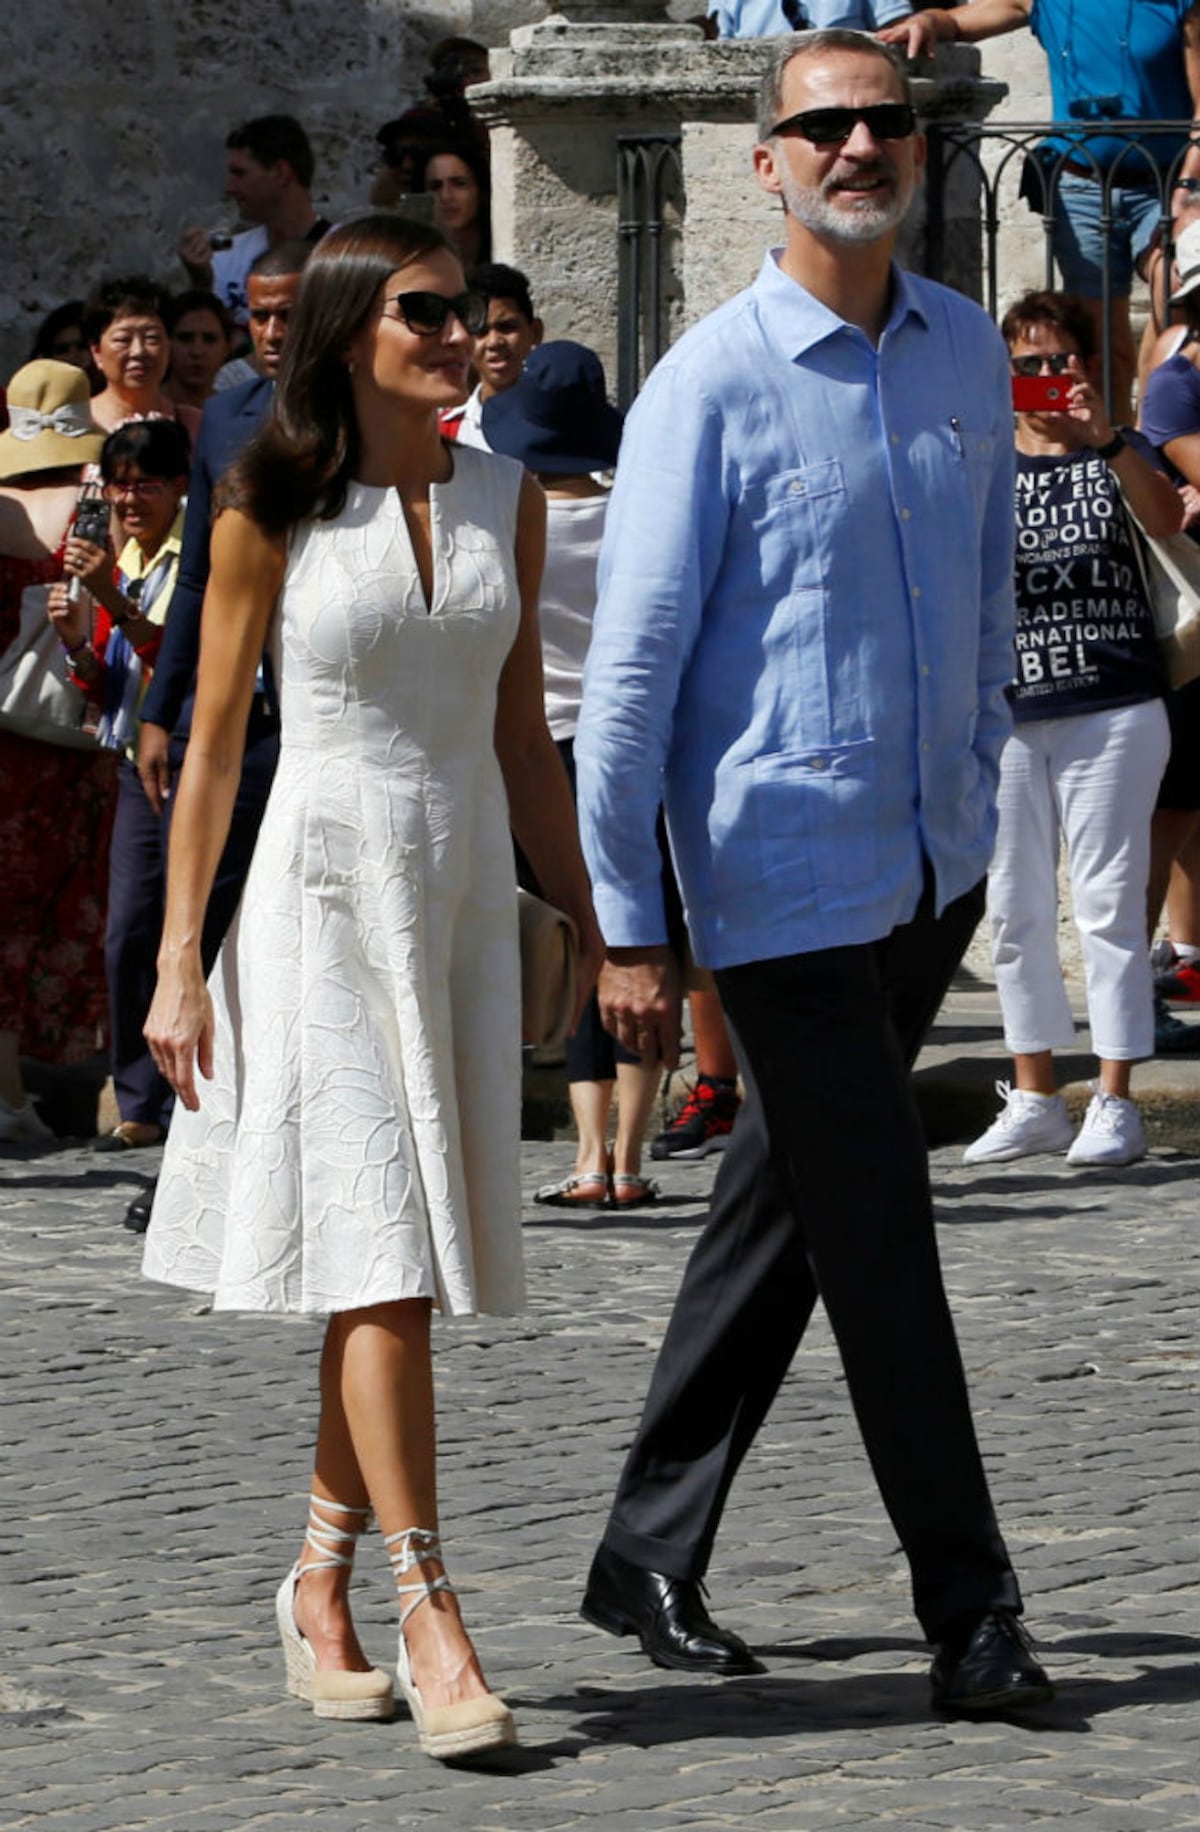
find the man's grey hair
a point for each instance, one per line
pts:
(815, 44)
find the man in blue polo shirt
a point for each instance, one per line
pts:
(801, 646)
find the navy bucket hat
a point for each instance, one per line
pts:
(557, 416)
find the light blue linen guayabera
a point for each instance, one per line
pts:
(805, 624)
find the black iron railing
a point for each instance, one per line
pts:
(1011, 158)
(649, 184)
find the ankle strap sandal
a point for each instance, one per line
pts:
(474, 1727)
(333, 1692)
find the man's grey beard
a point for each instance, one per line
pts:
(864, 220)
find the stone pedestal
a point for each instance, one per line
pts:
(566, 94)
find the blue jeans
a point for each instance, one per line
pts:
(1079, 236)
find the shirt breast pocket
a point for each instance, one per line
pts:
(797, 515)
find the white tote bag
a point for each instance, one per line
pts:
(38, 699)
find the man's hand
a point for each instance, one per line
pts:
(640, 994)
(155, 774)
(195, 251)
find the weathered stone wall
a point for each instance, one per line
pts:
(113, 119)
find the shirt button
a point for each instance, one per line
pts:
(895, 438)
(925, 668)
(906, 515)
(916, 591)
(818, 763)
(924, 746)
(797, 488)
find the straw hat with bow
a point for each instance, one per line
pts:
(49, 420)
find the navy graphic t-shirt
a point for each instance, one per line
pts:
(1085, 635)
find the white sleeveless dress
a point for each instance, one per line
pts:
(358, 1142)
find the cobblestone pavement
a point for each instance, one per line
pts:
(154, 1465)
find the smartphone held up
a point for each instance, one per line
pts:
(1041, 393)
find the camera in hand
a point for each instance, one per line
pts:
(91, 520)
(90, 524)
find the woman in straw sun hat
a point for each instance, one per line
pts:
(55, 797)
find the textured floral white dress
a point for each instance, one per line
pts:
(358, 1142)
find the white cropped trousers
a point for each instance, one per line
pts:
(1089, 780)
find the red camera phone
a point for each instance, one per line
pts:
(1041, 393)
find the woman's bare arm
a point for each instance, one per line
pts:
(247, 572)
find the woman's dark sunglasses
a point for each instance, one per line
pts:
(425, 314)
(830, 126)
(1057, 361)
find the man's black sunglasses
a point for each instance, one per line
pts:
(425, 314)
(1057, 361)
(830, 126)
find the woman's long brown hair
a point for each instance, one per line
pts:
(300, 464)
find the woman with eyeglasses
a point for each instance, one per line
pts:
(1088, 747)
(111, 634)
(350, 1149)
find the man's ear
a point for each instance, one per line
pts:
(766, 167)
(539, 330)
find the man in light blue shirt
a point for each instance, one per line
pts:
(765, 18)
(802, 642)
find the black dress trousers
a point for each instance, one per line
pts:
(824, 1191)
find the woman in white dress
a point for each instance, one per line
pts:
(353, 1147)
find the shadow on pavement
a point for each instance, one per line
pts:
(654, 1215)
(90, 1180)
(759, 1708)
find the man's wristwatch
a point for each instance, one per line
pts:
(1113, 449)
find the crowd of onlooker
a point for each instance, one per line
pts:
(135, 398)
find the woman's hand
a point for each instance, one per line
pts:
(179, 1028)
(1085, 421)
(72, 622)
(591, 960)
(86, 561)
(1189, 496)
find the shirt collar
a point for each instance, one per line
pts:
(131, 561)
(797, 321)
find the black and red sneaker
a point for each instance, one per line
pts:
(703, 1123)
(1180, 984)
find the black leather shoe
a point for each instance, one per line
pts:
(137, 1215)
(991, 1668)
(666, 1614)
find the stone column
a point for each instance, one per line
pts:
(570, 87)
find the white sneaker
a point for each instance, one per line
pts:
(1112, 1132)
(1027, 1123)
(21, 1125)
